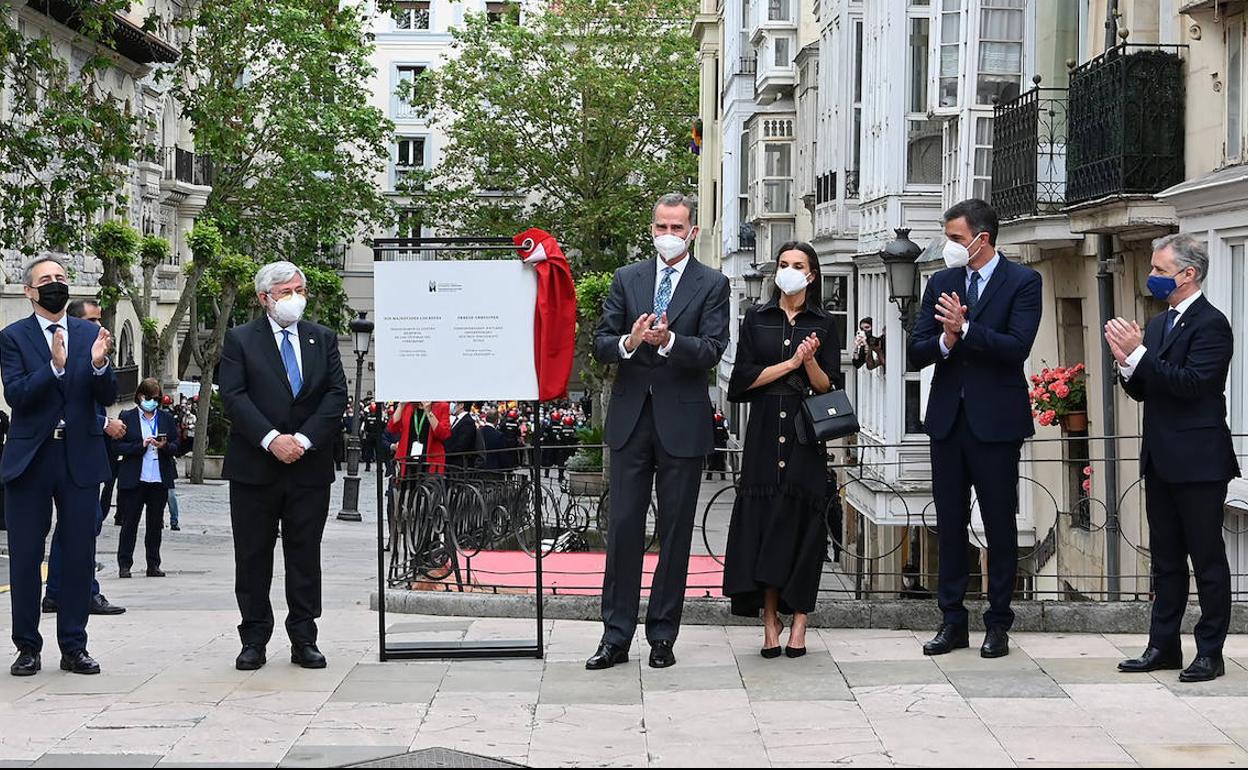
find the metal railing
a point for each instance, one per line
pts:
(1029, 154)
(851, 183)
(1126, 123)
(188, 167)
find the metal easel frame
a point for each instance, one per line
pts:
(463, 649)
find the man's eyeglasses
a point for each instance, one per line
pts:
(287, 293)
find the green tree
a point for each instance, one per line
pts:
(67, 141)
(582, 115)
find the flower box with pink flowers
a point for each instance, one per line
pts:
(1060, 395)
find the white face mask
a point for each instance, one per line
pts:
(957, 255)
(670, 246)
(790, 280)
(289, 310)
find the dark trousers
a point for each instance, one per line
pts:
(635, 469)
(960, 462)
(1186, 520)
(28, 500)
(255, 512)
(131, 503)
(53, 588)
(106, 495)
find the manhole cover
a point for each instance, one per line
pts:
(437, 758)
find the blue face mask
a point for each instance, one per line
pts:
(1162, 286)
(148, 405)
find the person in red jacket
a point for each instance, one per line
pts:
(428, 426)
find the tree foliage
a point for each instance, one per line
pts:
(582, 115)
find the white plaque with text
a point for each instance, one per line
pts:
(455, 331)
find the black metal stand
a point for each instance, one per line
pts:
(400, 248)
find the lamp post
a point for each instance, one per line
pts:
(753, 278)
(362, 338)
(899, 257)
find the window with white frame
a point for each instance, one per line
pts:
(923, 142)
(784, 57)
(836, 304)
(406, 76)
(779, 10)
(1238, 385)
(981, 174)
(1234, 142)
(411, 16)
(409, 157)
(855, 140)
(777, 177)
(950, 52)
(951, 163)
(1001, 26)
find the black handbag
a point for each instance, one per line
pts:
(825, 417)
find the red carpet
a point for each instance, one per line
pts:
(571, 573)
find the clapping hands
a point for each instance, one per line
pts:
(805, 351)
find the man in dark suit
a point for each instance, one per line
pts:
(977, 324)
(665, 324)
(56, 373)
(284, 389)
(146, 476)
(1177, 367)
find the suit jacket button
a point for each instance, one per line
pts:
(782, 439)
(782, 463)
(783, 415)
(787, 343)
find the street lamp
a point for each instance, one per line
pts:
(753, 278)
(362, 338)
(899, 257)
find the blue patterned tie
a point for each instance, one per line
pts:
(972, 294)
(292, 364)
(664, 294)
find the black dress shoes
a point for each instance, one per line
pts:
(1153, 659)
(307, 656)
(27, 664)
(155, 573)
(996, 643)
(607, 656)
(661, 655)
(175, 528)
(1203, 669)
(101, 606)
(947, 639)
(124, 572)
(49, 606)
(250, 659)
(79, 662)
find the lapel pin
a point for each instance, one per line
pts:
(311, 342)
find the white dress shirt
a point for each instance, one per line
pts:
(294, 342)
(660, 266)
(150, 473)
(63, 322)
(985, 274)
(1133, 360)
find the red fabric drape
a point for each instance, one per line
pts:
(554, 326)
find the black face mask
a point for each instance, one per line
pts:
(53, 297)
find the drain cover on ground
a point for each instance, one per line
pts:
(437, 758)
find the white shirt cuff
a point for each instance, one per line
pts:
(101, 369)
(966, 325)
(666, 350)
(58, 372)
(268, 439)
(1133, 360)
(944, 349)
(624, 352)
(302, 439)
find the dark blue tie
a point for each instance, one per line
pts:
(972, 294)
(292, 364)
(1171, 317)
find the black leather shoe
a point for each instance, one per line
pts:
(250, 659)
(101, 606)
(607, 656)
(124, 572)
(79, 662)
(1203, 669)
(661, 655)
(1153, 659)
(49, 606)
(27, 664)
(996, 643)
(947, 639)
(155, 573)
(175, 528)
(307, 656)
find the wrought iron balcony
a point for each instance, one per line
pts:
(1029, 154)
(188, 167)
(1125, 133)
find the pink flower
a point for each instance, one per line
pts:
(1062, 390)
(1087, 486)
(1087, 471)
(1046, 418)
(1046, 397)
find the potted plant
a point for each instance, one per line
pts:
(584, 468)
(1060, 395)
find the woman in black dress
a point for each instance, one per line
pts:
(788, 349)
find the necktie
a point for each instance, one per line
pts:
(972, 294)
(664, 294)
(1171, 317)
(52, 330)
(292, 364)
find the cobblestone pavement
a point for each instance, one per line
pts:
(169, 693)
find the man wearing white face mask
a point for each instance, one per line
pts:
(977, 324)
(665, 324)
(284, 389)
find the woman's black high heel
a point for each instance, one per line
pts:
(794, 652)
(773, 652)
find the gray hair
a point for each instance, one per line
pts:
(276, 272)
(680, 199)
(28, 273)
(1188, 252)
